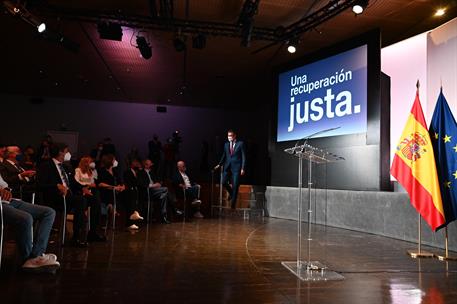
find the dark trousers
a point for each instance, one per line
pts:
(193, 192)
(235, 178)
(78, 204)
(161, 195)
(132, 204)
(94, 202)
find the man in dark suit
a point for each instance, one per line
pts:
(233, 161)
(150, 183)
(181, 180)
(19, 179)
(56, 182)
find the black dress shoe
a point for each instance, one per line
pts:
(178, 212)
(78, 244)
(93, 237)
(164, 220)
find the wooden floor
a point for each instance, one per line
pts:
(229, 260)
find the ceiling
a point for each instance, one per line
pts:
(222, 74)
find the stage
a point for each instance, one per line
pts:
(232, 261)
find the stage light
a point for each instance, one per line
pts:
(199, 41)
(291, 49)
(41, 27)
(110, 31)
(292, 45)
(440, 12)
(144, 47)
(359, 7)
(179, 43)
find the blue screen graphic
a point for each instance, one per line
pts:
(326, 94)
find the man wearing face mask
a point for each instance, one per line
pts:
(233, 161)
(56, 182)
(17, 177)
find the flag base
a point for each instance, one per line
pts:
(446, 258)
(420, 254)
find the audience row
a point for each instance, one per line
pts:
(54, 183)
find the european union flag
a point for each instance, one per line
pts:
(443, 132)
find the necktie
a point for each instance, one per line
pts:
(64, 175)
(231, 148)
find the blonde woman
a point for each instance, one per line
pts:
(85, 176)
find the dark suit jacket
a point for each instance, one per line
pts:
(132, 184)
(237, 160)
(144, 179)
(130, 180)
(47, 179)
(11, 175)
(177, 179)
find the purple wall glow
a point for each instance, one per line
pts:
(131, 124)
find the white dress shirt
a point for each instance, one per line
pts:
(186, 179)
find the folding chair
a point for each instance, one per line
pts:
(114, 208)
(64, 220)
(149, 204)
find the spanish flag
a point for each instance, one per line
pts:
(415, 169)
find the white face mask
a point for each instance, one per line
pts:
(67, 156)
(230, 138)
(115, 163)
(92, 165)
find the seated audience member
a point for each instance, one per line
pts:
(149, 181)
(28, 161)
(192, 190)
(108, 180)
(132, 186)
(20, 216)
(57, 182)
(85, 176)
(17, 177)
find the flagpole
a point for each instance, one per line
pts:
(419, 253)
(446, 257)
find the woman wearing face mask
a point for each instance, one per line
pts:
(85, 176)
(108, 180)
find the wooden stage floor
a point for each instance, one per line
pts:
(229, 260)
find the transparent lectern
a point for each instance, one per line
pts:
(304, 268)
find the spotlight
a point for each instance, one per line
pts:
(144, 47)
(292, 45)
(110, 31)
(41, 27)
(179, 43)
(199, 41)
(359, 7)
(440, 12)
(20, 11)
